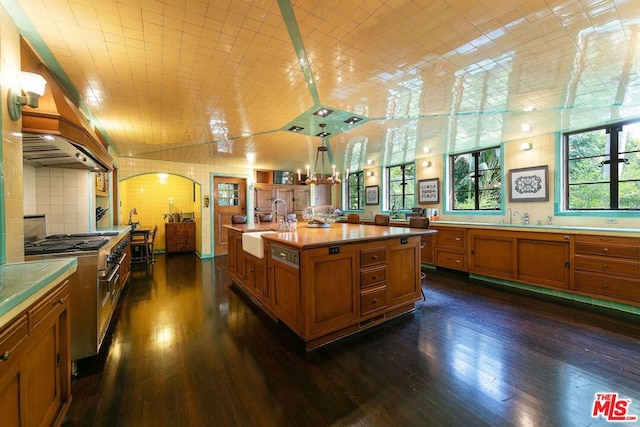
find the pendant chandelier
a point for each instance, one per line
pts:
(319, 176)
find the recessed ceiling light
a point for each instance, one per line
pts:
(323, 112)
(323, 134)
(353, 120)
(295, 128)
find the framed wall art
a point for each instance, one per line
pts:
(371, 195)
(428, 190)
(529, 184)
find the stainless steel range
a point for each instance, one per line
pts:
(95, 286)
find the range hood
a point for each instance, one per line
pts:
(56, 134)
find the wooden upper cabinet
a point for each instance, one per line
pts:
(323, 194)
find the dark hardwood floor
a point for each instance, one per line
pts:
(189, 350)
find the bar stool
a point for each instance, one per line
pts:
(265, 217)
(381, 219)
(420, 222)
(353, 218)
(238, 219)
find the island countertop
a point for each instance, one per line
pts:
(23, 283)
(339, 233)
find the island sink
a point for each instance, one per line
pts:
(253, 243)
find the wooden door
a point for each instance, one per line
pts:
(229, 198)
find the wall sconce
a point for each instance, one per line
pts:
(33, 86)
(206, 201)
(526, 146)
(426, 164)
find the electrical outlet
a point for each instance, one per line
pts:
(612, 221)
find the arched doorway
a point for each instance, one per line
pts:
(156, 196)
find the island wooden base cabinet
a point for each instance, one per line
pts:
(325, 293)
(35, 365)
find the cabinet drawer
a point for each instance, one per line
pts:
(609, 286)
(452, 260)
(605, 265)
(609, 240)
(372, 257)
(612, 250)
(39, 312)
(12, 336)
(371, 277)
(373, 300)
(451, 238)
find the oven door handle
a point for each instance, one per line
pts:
(115, 271)
(122, 258)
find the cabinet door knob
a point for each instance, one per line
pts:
(374, 277)
(605, 286)
(374, 257)
(375, 300)
(5, 356)
(605, 250)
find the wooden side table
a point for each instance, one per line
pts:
(180, 237)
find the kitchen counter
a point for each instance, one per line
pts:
(121, 229)
(541, 228)
(519, 226)
(23, 283)
(339, 233)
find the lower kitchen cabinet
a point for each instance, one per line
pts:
(492, 253)
(608, 266)
(35, 363)
(451, 248)
(180, 236)
(545, 259)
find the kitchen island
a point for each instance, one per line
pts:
(326, 283)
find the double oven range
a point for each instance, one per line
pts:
(103, 267)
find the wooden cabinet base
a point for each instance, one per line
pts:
(361, 326)
(324, 293)
(35, 363)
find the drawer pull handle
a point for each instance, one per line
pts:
(5, 356)
(605, 250)
(283, 255)
(374, 277)
(374, 257)
(59, 302)
(375, 300)
(605, 266)
(566, 237)
(605, 286)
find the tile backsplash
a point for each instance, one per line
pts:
(62, 195)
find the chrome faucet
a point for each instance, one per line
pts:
(274, 210)
(525, 217)
(511, 215)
